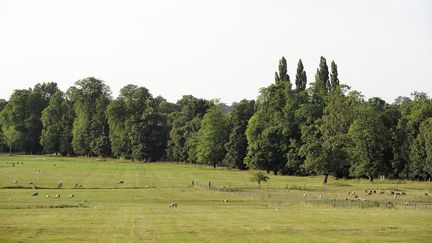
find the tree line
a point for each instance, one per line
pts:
(293, 128)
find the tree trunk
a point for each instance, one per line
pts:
(259, 185)
(214, 165)
(325, 179)
(275, 172)
(371, 178)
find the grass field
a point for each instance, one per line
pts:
(233, 209)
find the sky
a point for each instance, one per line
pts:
(226, 49)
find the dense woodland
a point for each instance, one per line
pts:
(293, 128)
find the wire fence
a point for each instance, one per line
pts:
(294, 197)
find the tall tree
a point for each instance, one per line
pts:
(334, 80)
(283, 71)
(138, 130)
(237, 144)
(326, 142)
(212, 137)
(301, 78)
(90, 129)
(368, 137)
(421, 152)
(185, 125)
(52, 117)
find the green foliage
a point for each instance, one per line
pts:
(259, 177)
(90, 97)
(301, 78)
(212, 137)
(183, 137)
(138, 130)
(368, 136)
(334, 80)
(20, 118)
(237, 145)
(53, 131)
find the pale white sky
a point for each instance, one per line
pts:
(225, 49)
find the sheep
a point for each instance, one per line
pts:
(60, 184)
(30, 183)
(426, 194)
(392, 192)
(76, 185)
(305, 195)
(47, 196)
(173, 205)
(120, 182)
(403, 193)
(34, 187)
(57, 196)
(369, 193)
(79, 185)
(320, 196)
(355, 196)
(381, 192)
(225, 201)
(15, 182)
(374, 191)
(35, 194)
(349, 193)
(71, 196)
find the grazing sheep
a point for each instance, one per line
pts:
(225, 201)
(355, 196)
(381, 192)
(426, 194)
(374, 191)
(349, 193)
(369, 193)
(392, 192)
(15, 182)
(30, 183)
(76, 185)
(173, 205)
(47, 196)
(403, 193)
(120, 182)
(34, 187)
(395, 196)
(57, 196)
(71, 196)
(305, 195)
(222, 187)
(60, 185)
(35, 193)
(320, 196)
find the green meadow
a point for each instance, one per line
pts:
(124, 201)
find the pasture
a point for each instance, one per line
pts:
(122, 201)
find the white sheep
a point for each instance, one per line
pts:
(71, 196)
(57, 196)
